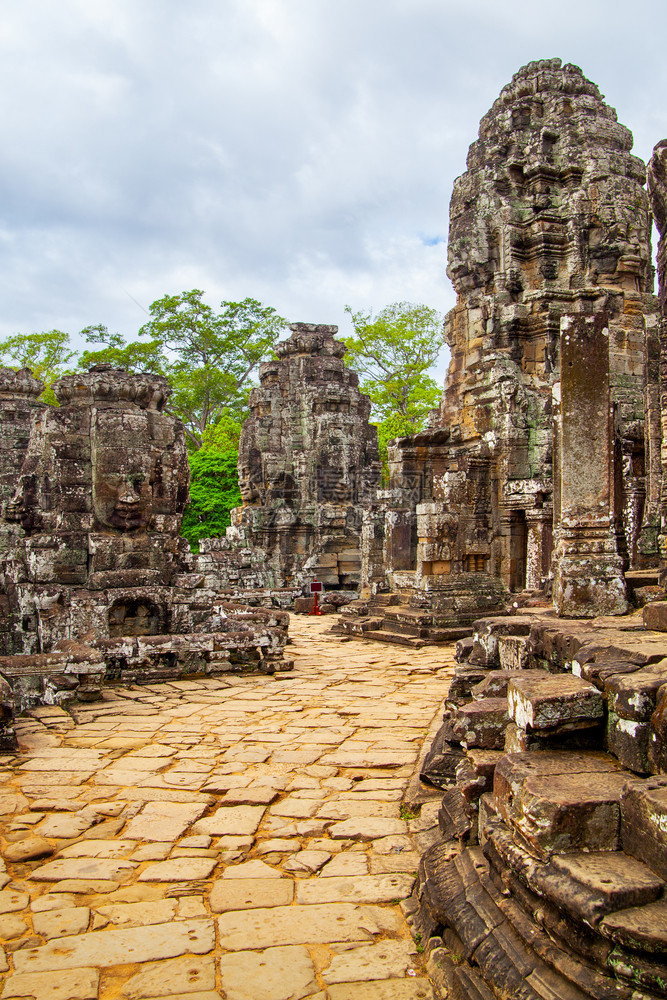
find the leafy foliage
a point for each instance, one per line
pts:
(208, 357)
(214, 491)
(393, 353)
(47, 354)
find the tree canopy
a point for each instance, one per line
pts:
(208, 357)
(47, 354)
(393, 352)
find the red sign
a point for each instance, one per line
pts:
(316, 587)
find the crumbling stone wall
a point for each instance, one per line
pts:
(18, 401)
(308, 465)
(550, 219)
(657, 185)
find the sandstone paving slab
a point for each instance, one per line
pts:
(12, 926)
(251, 893)
(178, 870)
(12, 901)
(190, 975)
(285, 973)
(306, 861)
(388, 989)
(366, 828)
(350, 809)
(61, 922)
(73, 984)
(235, 821)
(84, 886)
(383, 960)
(163, 821)
(346, 863)
(266, 928)
(157, 911)
(81, 868)
(65, 826)
(93, 848)
(28, 849)
(251, 869)
(252, 796)
(296, 807)
(119, 947)
(355, 889)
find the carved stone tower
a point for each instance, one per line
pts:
(308, 463)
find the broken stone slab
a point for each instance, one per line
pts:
(495, 683)
(462, 684)
(657, 747)
(485, 637)
(164, 821)
(641, 928)
(482, 724)
(644, 822)
(559, 813)
(629, 740)
(654, 616)
(514, 768)
(566, 738)
(545, 703)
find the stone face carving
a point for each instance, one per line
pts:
(100, 498)
(18, 402)
(550, 219)
(308, 464)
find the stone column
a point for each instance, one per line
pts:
(540, 536)
(588, 573)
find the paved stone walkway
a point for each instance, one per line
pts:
(240, 838)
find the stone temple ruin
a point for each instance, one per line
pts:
(542, 477)
(97, 582)
(308, 469)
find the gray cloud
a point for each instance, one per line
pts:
(299, 151)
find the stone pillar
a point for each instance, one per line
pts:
(540, 544)
(588, 573)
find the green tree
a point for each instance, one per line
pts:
(393, 352)
(47, 354)
(214, 483)
(208, 357)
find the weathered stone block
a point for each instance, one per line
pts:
(482, 724)
(548, 703)
(644, 822)
(560, 813)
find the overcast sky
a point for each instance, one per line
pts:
(301, 152)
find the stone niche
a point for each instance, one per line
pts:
(550, 219)
(97, 580)
(308, 469)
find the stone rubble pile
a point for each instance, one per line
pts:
(551, 875)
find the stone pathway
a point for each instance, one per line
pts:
(241, 838)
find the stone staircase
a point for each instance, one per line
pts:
(425, 618)
(385, 618)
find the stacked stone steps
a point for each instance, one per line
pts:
(385, 619)
(522, 929)
(574, 839)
